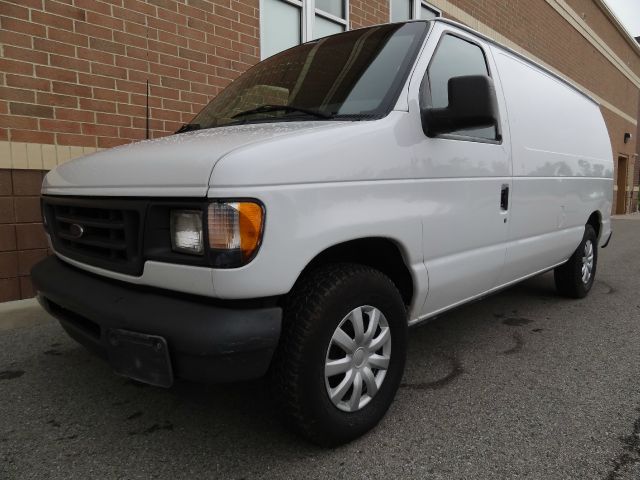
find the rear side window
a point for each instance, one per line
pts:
(455, 57)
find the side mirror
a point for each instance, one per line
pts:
(472, 104)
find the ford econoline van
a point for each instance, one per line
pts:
(329, 198)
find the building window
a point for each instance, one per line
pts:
(402, 10)
(286, 23)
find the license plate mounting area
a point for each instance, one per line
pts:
(141, 357)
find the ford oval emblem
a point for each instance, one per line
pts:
(76, 231)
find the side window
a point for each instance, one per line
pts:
(455, 57)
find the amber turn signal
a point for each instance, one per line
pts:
(236, 226)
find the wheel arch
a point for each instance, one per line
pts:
(595, 220)
(382, 253)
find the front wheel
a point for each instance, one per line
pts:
(341, 354)
(575, 278)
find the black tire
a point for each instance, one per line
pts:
(314, 309)
(568, 276)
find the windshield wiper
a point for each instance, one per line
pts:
(285, 108)
(188, 127)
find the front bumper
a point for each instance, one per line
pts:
(208, 341)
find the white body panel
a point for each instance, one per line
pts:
(438, 200)
(173, 166)
(562, 165)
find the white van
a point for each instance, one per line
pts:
(330, 197)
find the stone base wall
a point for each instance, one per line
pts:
(22, 238)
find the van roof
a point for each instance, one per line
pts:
(513, 52)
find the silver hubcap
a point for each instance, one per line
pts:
(587, 262)
(357, 358)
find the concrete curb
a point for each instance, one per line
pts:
(630, 216)
(7, 307)
(22, 313)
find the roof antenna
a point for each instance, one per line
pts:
(147, 109)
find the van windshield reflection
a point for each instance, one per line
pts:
(350, 76)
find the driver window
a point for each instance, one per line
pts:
(455, 57)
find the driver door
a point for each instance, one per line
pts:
(469, 180)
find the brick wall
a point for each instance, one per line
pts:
(22, 238)
(363, 13)
(596, 19)
(74, 72)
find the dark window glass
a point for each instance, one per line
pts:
(455, 57)
(355, 75)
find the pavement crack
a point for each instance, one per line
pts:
(456, 371)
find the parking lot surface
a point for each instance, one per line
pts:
(523, 384)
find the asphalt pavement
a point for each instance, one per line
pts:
(523, 384)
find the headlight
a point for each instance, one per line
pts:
(235, 232)
(229, 237)
(186, 232)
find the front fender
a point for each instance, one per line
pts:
(304, 220)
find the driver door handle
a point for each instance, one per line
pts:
(504, 197)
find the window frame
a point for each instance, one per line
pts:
(308, 12)
(418, 4)
(414, 9)
(425, 97)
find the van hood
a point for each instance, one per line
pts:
(173, 166)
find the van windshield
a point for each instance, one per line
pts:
(355, 75)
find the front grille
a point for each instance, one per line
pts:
(102, 233)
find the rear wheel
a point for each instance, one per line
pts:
(575, 278)
(341, 354)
